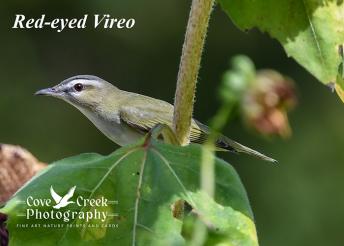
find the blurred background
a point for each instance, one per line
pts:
(298, 202)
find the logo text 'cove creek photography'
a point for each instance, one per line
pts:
(64, 209)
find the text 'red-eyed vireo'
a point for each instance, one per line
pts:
(124, 117)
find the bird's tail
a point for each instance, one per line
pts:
(227, 144)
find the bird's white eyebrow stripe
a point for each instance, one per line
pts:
(84, 82)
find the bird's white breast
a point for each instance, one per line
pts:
(113, 127)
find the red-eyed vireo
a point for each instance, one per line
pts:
(124, 117)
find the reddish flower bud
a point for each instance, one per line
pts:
(266, 102)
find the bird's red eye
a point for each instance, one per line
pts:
(78, 87)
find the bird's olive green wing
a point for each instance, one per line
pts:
(143, 119)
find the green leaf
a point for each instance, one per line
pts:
(215, 219)
(149, 180)
(310, 31)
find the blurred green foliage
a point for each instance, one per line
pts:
(298, 202)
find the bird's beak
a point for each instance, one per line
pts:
(47, 92)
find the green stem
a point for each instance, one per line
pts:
(189, 67)
(208, 157)
(208, 167)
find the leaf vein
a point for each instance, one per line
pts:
(98, 185)
(174, 174)
(315, 36)
(146, 228)
(137, 201)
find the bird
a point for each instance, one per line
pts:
(125, 117)
(60, 201)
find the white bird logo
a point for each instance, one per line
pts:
(62, 201)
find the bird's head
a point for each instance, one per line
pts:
(85, 91)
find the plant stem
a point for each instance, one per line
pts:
(189, 67)
(208, 157)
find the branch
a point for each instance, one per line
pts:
(189, 67)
